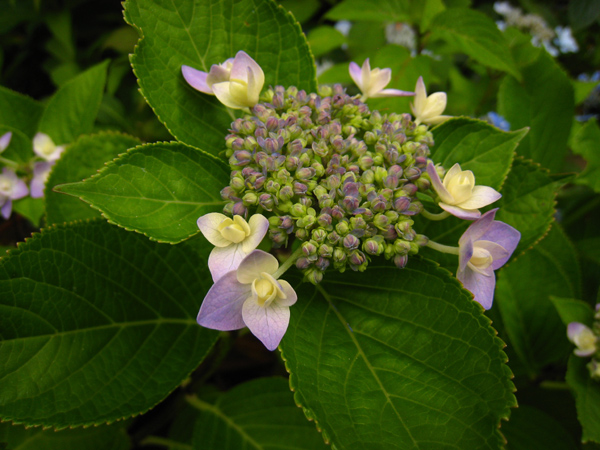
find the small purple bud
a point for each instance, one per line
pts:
(303, 263)
(266, 201)
(400, 261)
(333, 181)
(292, 163)
(412, 173)
(391, 182)
(258, 184)
(300, 188)
(357, 258)
(401, 204)
(401, 247)
(240, 158)
(351, 242)
(228, 193)
(410, 189)
(237, 144)
(260, 133)
(342, 228)
(286, 193)
(319, 235)
(239, 209)
(350, 203)
(277, 101)
(322, 264)
(337, 212)
(309, 249)
(389, 233)
(333, 237)
(325, 250)
(339, 255)
(381, 221)
(250, 143)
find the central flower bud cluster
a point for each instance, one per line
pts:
(333, 174)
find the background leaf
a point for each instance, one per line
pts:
(587, 144)
(572, 310)
(475, 34)
(97, 325)
(73, 108)
(259, 414)
(397, 359)
(159, 190)
(323, 39)
(81, 160)
(544, 101)
(19, 111)
(536, 332)
(206, 32)
(17, 437)
(375, 10)
(587, 397)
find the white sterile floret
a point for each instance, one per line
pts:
(428, 109)
(233, 239)
(45, 148)
(458, 193)
(372, 82)
(583, 337)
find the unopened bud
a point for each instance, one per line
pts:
(314, 275)
(303, 263)
(400, 261)
(351, 242)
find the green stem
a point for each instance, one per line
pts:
(555, 385)
(443, 248)
(433, 216)
(9, 163)
(170, 443)
(287, 263)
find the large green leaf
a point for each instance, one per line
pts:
(81, 160)
(544, 101)
(523, 291)
(73, 108)
(587, 144)
(475, 34)
(19, 111)
(256, 415)
(573, 310)
(323, 39)
(159, 190)
(397, 359)
(97, 324)
(527, 202)
(20, 148)
(375, 10)
(17, 437)
(587, 397)
(200, 33)
(476, 146)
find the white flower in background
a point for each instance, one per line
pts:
(5, 140)
(236, 83)
(403, 34)
(428, 109)
(372, 82)
(252, 297)
(45, 148)
(233, 239)
(11, 188)
(583, 337)
(458, 193)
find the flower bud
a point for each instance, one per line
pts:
(250, 198)
(303, 263)
(374, 245)
(337, 212)
(313, 275)
(286, 193)
(339, 255)
(351, 242)
(333, 237)
(381, 221)
(325, 250)
(400, 261)
(298, 210)
(318, 235)
(266, 201)
(324, 220)
(342, 228)
(401, 247)
(301, 234)
(401, 204)
(309, 249)
(322, 263)
(300, 188)
(239, 209)
(357, 259)
(227, 193)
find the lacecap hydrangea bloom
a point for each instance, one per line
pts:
(11, 188)
(342, 185)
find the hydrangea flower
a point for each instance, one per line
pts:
(5, 140)
(484, 247)
(45, 148)
(41, 171)
(11, 188)
(428, 109)
(583, 337)
(236, 83)
(252, 297)
(233, 239)
(458, 194)
(372, 82)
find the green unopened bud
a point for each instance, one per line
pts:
(319, 235)
(370, 138)
(374, 245)
(313, 275)
(401, 247)
(237, 183)
(325, 250)
(298, 210)
(339, 255)
(309, 249)
(342, 228)
(306, 221)
(250, 198)
(381, 221)
(380, 174)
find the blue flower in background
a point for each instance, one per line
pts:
(497, 120)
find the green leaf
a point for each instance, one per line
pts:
(397, 360)
(583, 13)
(532, 429)
(17, 437)
(477, 146)
(544, 101)
(536, 332)
(159, 190)
(20, 148)
(374, 10)
(587, 144)
(587, 397)
(475, 34)
(199, 34)
(301, 9)
(527, 203)
(97, 325)
(73, 108)
(323, 39)
(19, 111)
(30, 208)
(573, 310)
(257, 415)
(583, 89)
(81, 160)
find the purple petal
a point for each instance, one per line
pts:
(479, 227)
(481, 286)
(222, 306)
(438, 186)
(268, 324)
(392, 93)
(239, 70)
(20, 190)
(6, 208)
(5, 140)
(504, 235)
(196, 79)
(464, 214)
(41, 170)
(465, 254)
(355, 73)
(225, 259)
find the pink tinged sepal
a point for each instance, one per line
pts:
(269, 323)
(41, 171)
(196, 79)
(372, 82)
(5, 140)
(481, 286)
(464, 214)
(225, 259)
(222, 306)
